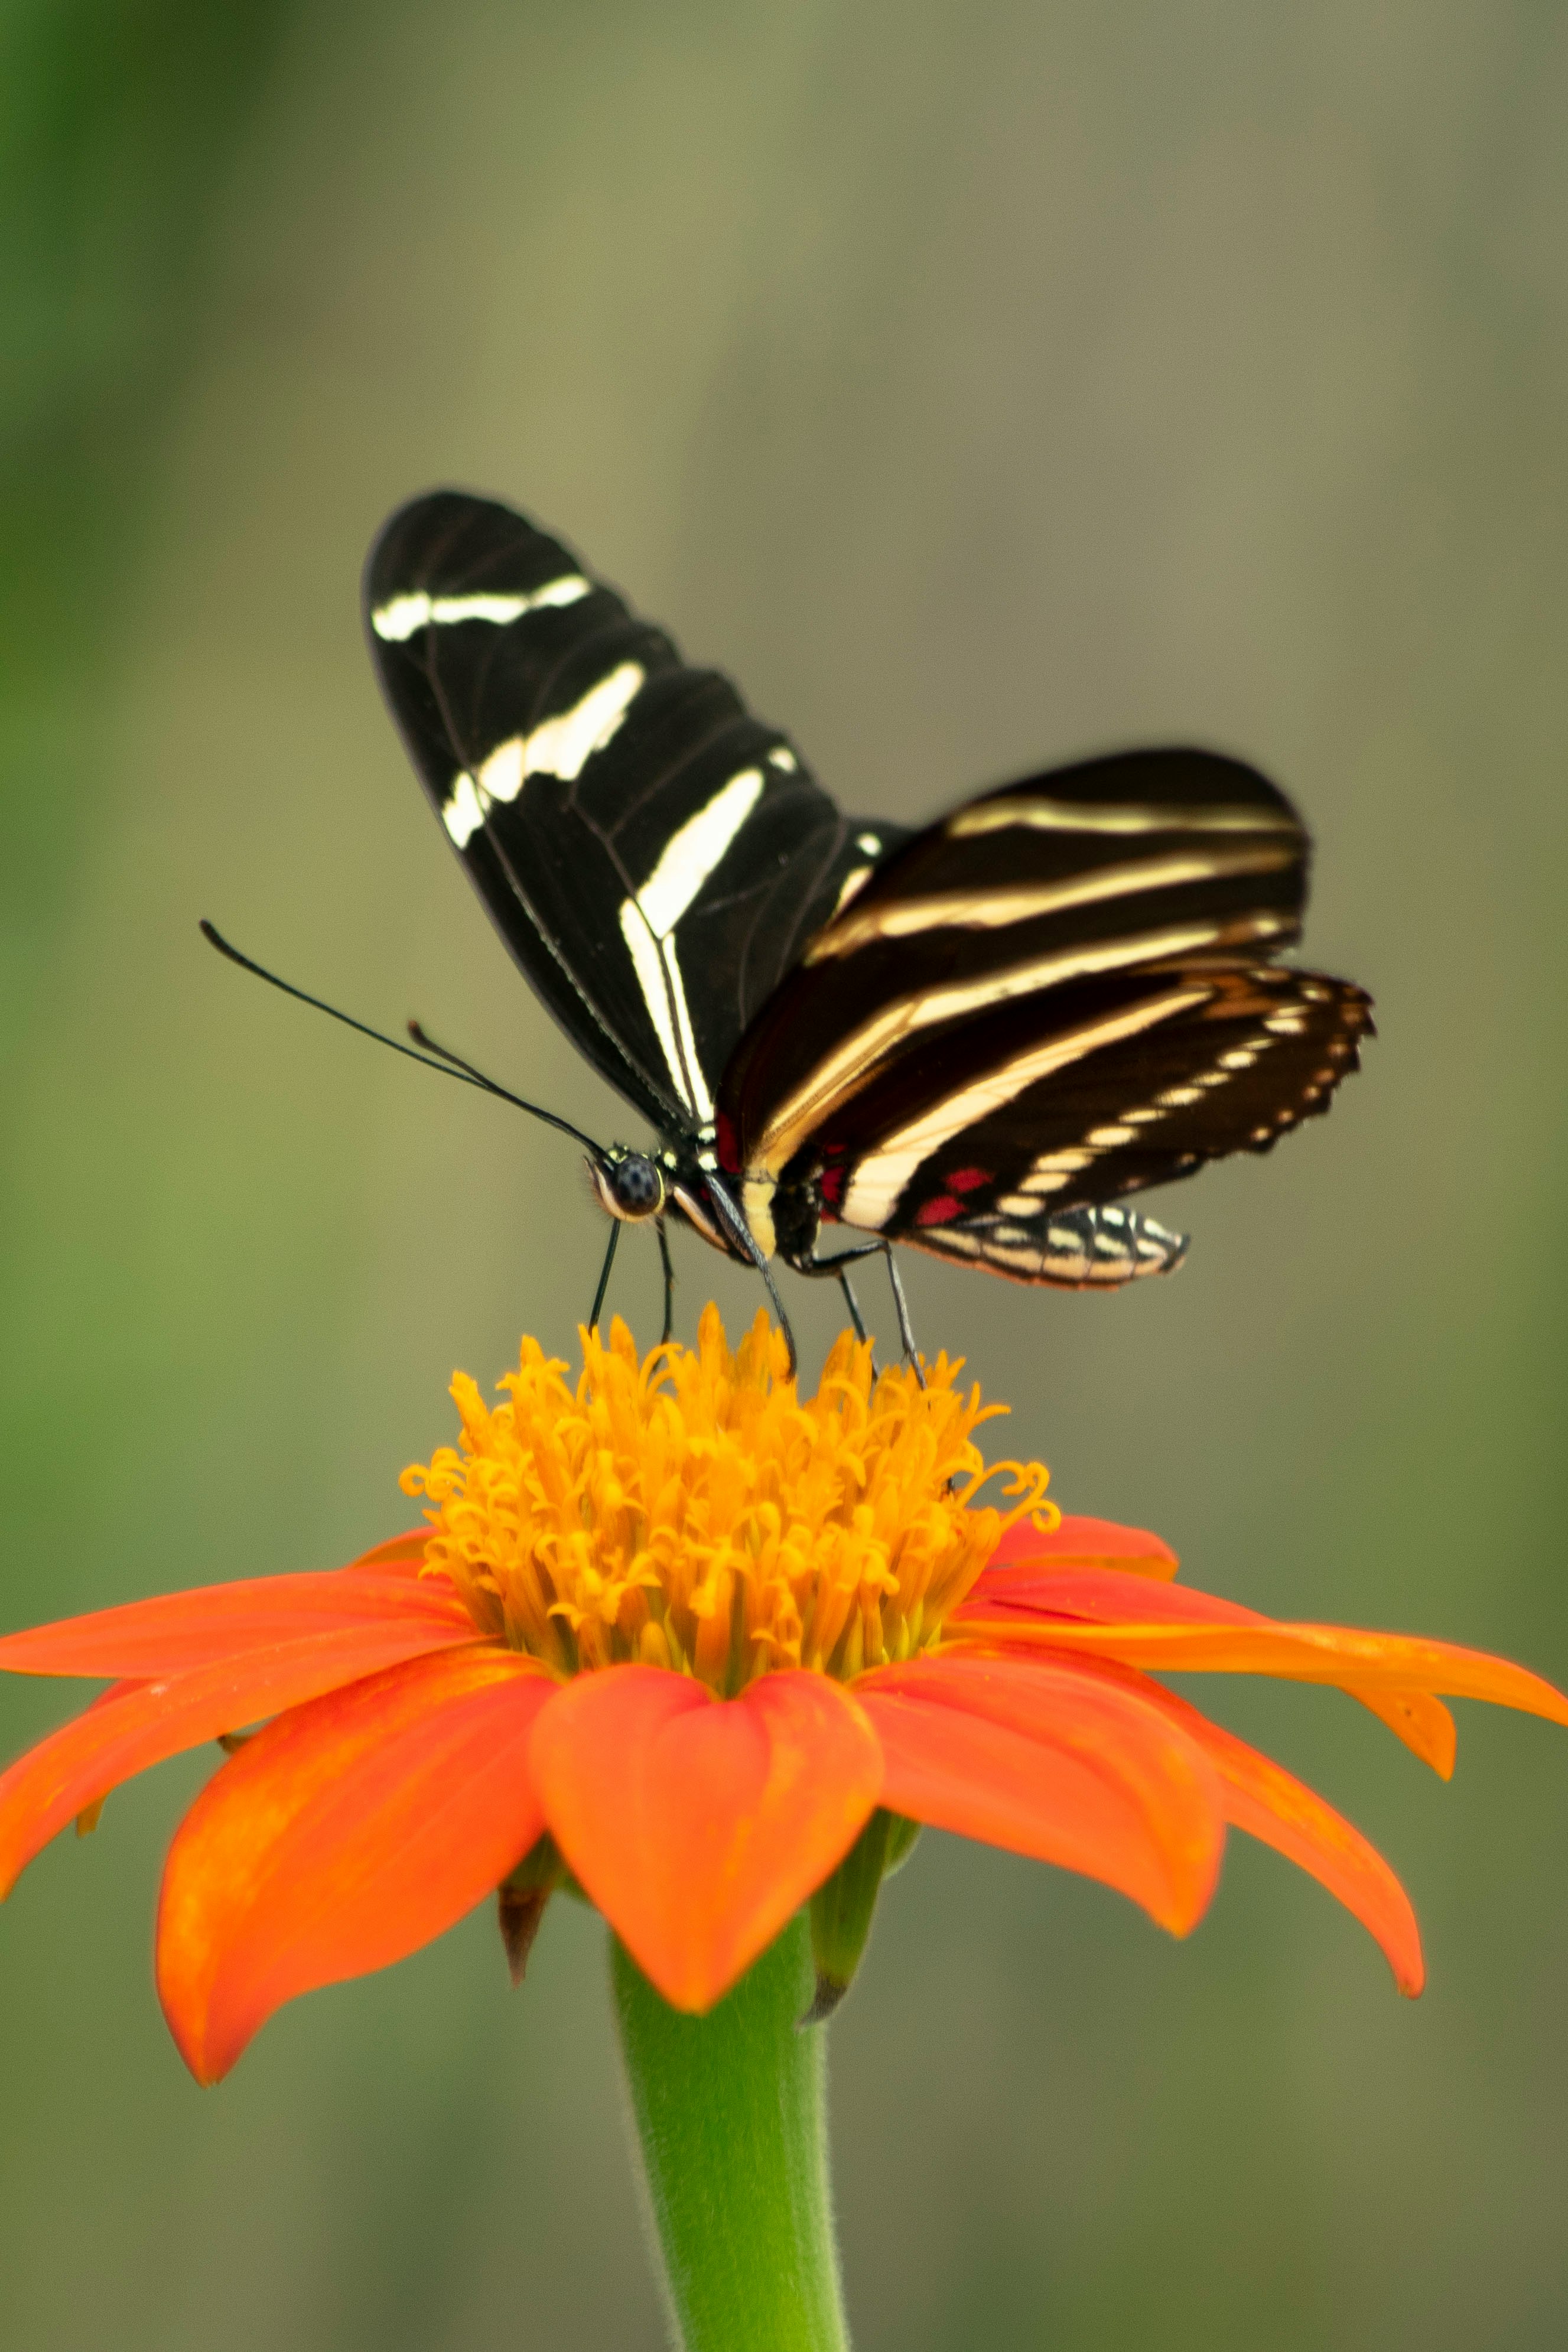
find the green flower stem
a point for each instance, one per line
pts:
(732, 2120)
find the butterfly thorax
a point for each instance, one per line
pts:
(784, 1215)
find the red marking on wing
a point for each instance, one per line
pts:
(939, 1212)
(831, 1187)
(965, 1180)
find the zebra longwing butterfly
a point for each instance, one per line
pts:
(976, 1037)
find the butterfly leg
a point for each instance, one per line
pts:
(604, 1274)
(815, 1266)
(858, 1320)
(668, 1286)
(901, 1308)
(743, 1246)
(883, 1248)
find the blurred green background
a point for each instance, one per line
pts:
(983, 385)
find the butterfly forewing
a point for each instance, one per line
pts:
(654, 856)
(1088, 874)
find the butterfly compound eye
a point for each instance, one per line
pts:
(631, 1186)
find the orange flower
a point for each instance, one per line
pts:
(680, 1634)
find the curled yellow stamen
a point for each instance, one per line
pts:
(690, 1511)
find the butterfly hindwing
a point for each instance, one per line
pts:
(654, 856)
(1077, 1249)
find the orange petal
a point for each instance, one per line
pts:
(1356, 1660)
(401, 1555)
(1077, 1542)
(1417, 1717)
(342, 1837)
(139, 1724)
(698, 1825)
(173, 1632)
(1110, 1597)
(1072, 1767)
(1270, 1804)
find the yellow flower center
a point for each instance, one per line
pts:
(690, 1511)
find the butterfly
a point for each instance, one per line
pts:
(976, 1037)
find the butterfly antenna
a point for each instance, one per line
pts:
(421, 1038)
(445, 1064)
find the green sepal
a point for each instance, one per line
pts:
(844, 1906)
(523, 1896)
(902, 1837)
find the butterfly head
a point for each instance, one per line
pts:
(630, 1186)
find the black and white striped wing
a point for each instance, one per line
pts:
(1063, 993)
(654, 858)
